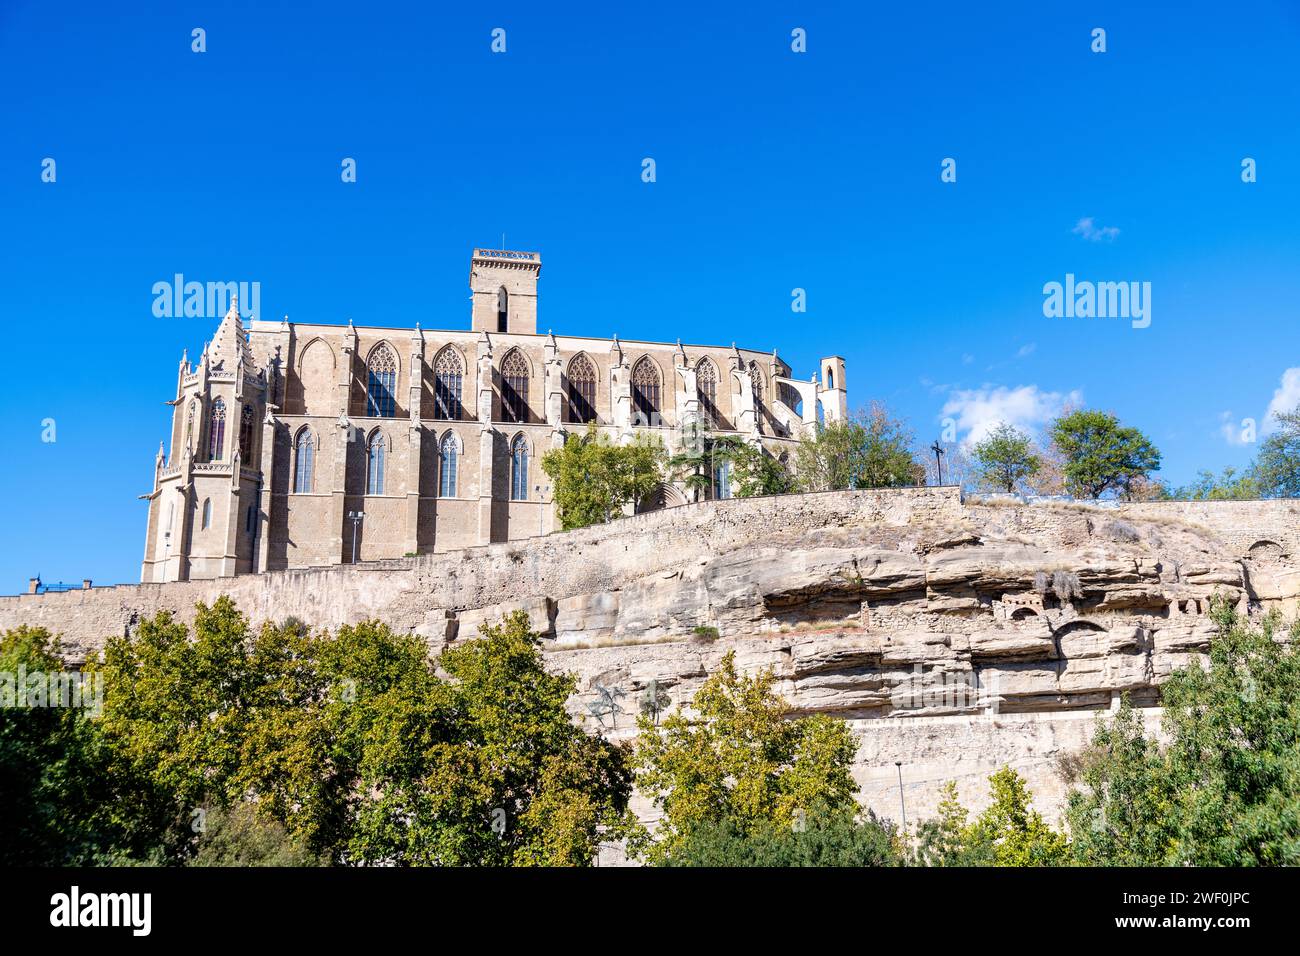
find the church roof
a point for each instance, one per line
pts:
(229, 346)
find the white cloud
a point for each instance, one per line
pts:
(977, 411)
(1285, 398)
(1027, 350)
(1093, 233)
(1231, 430)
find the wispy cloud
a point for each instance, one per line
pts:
(1089, 230)
(977, 411)
(1231, 429)
(1027, 350)
(1285, 398)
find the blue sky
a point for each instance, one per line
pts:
(775, 171)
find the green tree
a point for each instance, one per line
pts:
(1101, 454)
(741, 760)
(62, 801)
(499, 776)
(1005, 458)
(1276, 472)
(1224, 788)
(830, 840)
(1010, 832)
(1228, 486)
(241, 837)
(755, 472)
(871, 449)
(592, 479)
(943, 840)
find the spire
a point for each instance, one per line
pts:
(229, 346)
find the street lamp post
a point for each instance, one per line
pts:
(902, 805)
(356, 518)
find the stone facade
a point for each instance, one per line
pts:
(284, 431)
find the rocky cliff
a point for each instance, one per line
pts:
(956, 636)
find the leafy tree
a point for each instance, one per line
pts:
(1010, 832)
(1224, 790)
(1228, 486)
(694, 461)
(942, 841)
(742, 760)
(831, 840)
(755, 472)
(1005, 458)
(1101, 454)
(240, 837)
(869, 450)
(502, 776)
(351, 747)
(62, 801)
(1277, 466)
(592, 479)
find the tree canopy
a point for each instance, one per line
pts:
(1102, 455)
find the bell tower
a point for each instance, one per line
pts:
(504, 283)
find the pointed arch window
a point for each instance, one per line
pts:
(375, 460)
(448, 453)
(514, 387)
(207, 514)
(519, 469)
(448, 381)
(217, 430)
(189, 428)
(706, 384)
(381, 383)
(722, 479)
(645, 392)
(756, 380)
(304, 454)
(582, 390)
(246, 434)
(503, 310)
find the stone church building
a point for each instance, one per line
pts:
(300, 444)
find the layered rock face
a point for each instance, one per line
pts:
(956, 636)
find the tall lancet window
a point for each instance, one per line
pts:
(189, 428)
(756, 380)
(375, 460)
(519, 470)
(217, 431)
(503, 310)
(381, 382)
(304, 454)
(645, 392)
(706, 384)
(448, 378)
(246, 434)
(582, 391)
(514, 388)
(448, 453)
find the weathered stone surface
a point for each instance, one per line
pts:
(956, 637)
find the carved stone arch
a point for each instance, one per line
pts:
(382, 379)
(581, 375)
(1265, 551)
(707, 379)
(516, 375)
(312, 386)
(1023, 613)
(455, 437)
(663, 496)
(448, 380)
(1076, 638)
(648, 391)
(528, 443)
